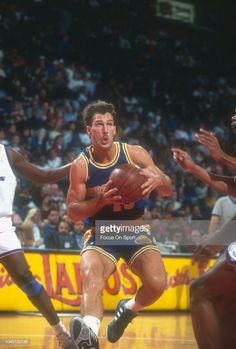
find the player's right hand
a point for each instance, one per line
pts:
(109, 194)
(182, 158)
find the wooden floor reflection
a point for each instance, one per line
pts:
(148, 331)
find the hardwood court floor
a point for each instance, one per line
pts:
(148, 331)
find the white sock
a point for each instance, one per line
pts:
(59, 328)
(133, 305)
(93, 322)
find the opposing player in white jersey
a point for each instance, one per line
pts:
(212, 295)
(11, 253)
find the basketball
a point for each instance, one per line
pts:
(128, 180)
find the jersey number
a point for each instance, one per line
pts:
(117, 207)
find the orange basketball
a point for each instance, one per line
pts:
(128, 180)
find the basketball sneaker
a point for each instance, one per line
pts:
(65, 341)
(123, 317)
(82, 335)
(231, 254)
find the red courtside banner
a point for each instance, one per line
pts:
(60, 275)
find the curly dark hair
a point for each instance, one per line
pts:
(100, 107)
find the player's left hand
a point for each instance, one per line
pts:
(153, 181)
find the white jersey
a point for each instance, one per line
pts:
(225, 209)
(7, 184)
(9, 242)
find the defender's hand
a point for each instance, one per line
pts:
(183, 159)
(209, 140)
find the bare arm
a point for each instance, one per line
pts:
(31, 172)
(184, 160)
(156, 179)
(79, 207)
(209, 140)
(229, 180)
(213, 225)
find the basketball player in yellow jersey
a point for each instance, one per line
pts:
(91, 171)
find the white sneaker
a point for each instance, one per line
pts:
(65, 341)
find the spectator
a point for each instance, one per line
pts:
(53, 159)
(49, 231)
(79, 230)
(193, 241)
(209, 202)
(66, 238)
(223, 211)
(31, 230)
(196, 213)
(45, 206)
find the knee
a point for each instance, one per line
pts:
(27, 283)
(93, 280)
(156, 284)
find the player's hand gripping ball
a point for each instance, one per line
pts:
(128, 180)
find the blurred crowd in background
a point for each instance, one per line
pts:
(166, 82)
